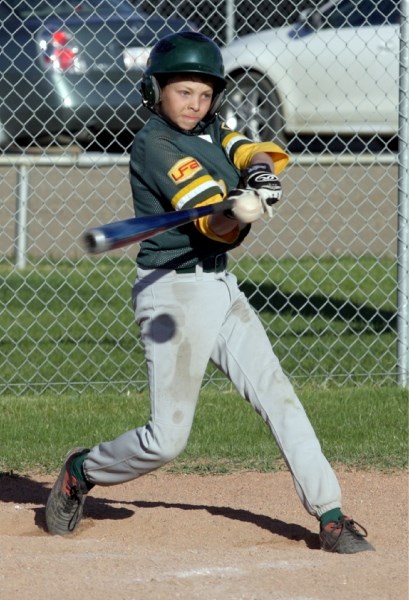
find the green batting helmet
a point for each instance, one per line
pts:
(185, 52)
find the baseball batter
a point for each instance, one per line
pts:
(188, 306)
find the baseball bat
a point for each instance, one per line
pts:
(130, 231)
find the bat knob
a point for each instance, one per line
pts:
(95, 241)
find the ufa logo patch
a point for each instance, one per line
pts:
(184, 169)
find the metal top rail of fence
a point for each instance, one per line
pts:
(25, 161)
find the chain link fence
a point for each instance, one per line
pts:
(322, 273)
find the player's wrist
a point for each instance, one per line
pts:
(257, 168)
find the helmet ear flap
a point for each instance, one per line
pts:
(150, 90)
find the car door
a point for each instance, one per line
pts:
(348, 73)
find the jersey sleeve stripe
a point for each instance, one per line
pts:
(196, 191)
(231, 141)
(240, 151)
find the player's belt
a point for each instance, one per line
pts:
(212, 264)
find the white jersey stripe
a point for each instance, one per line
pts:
(195, 191)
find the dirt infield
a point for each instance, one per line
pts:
(231, 537)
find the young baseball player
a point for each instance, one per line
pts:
(188, 306)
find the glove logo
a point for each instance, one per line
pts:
(264, 178)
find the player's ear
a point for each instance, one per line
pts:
(150, 91)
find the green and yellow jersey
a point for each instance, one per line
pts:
(173, 170)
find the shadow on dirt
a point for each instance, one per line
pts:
(290, 531)
(24, 490)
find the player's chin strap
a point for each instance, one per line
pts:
(200, 127)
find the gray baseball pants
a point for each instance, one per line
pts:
(186, 320)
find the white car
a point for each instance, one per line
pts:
(333, 72)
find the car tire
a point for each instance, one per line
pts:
(252, 106)
(4, 138)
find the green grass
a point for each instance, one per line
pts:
(361, 428)
(72, 367)
(330, 319)
(68, 326)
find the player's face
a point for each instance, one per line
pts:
(185, 101)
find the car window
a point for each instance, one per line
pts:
(64, 8)
(348, 13)
(388, 11)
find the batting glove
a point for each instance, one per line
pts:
(248, 206)
(260, 178)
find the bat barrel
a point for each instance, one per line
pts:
(121, 233)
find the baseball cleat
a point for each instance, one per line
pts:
(343, 536)
(65, 503)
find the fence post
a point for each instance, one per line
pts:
(21, 215)
(230, 21)
(403, 202)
